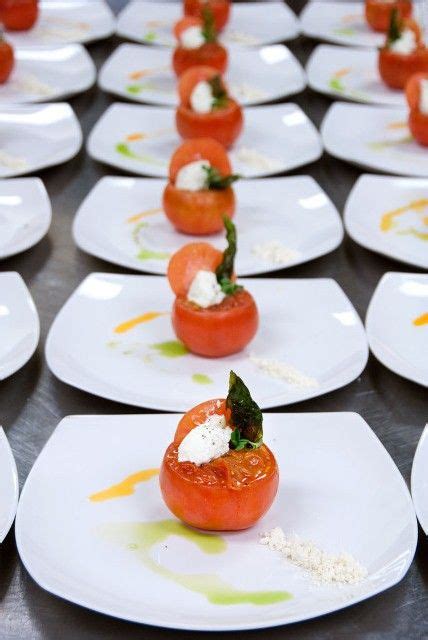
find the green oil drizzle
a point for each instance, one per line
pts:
(336, 84)
(170, 348)
(201, 378)
(385, 144)
(413, 232)
(147, 254)
(135, 89)
(344, 31)
(124, 150)
(140, 537)
(150, 36)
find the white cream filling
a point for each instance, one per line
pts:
(206, 442)
(205, 291)
(192, 177)
(423, 99)
(192, 38)
(405, 44)
(201, 99)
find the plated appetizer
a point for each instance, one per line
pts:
(220, 10)
(199, 193)
(404, 53)
(206, 109)
(212, 315)
(7, 59)
(417, 98)
(197, 44)
(18, 15)
(378, 12)
(217, 474)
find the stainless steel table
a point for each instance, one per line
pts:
(32, 401)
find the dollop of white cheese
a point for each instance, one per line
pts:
(201, 98)
(192, 38)
(405, 44)
(206, 442)
(205, 291)
(192, 176)
(423, 99)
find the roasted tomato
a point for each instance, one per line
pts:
(229, 493)
(210, 53)
(200, 212)
(222, 328)
(418, 121)
(219, 330)
(396, 69)
(378, 12)
(220, 10)
(7, 60)
(225, 120)
(18, 15)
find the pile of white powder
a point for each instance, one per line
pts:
(275, 252)
(323, 567)
(283, 371)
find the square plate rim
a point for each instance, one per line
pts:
(4, 442)
(415, 493)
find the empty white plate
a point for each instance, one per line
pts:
(339, 22)
(19, 324)
(25, 214)
(375, 137)
(9, 488)
(298, 215)
(97, 553)
(142, 140)
(397, 324)
(419, 480)
(48, 73)
(254, 76)
(389, 215)
(350, 73)
(309, 326)
(67, 21)
(250, 24)
(36, 137)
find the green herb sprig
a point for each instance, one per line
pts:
(246, 417)
(216, 181)
(219, 93)
(224, 271)
(395, 28)
(209, 32)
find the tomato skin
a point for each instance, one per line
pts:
(19, 15)
(413, 89)
(198, 415)
(205, 497)
(198, 212)
(190, 78)
(219, 8)
(187, 261)
(210, 54)
(200, 149)
(378, 14)
(224, 125)
(7, 60)
(396, 69)
(418, 125)
(219, 330)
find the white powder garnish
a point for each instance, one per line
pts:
(243, 91)
(255, 159)
(284, 371)
(12, 162)
(241, 37)
(274, 251)
(324, 567)
(31, 84)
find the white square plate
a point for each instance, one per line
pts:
(298, 214)
(350, 73)
(308, 324)
(25, 214)
(9, 488)
(254, 75)
(48, 73)
(67, 21)
(35, 137)
(419, 481)
(142, 139)
(19, 324)
(339, 22)
(396, 337)
(375, 137)
(89, 552)
(390, 216)
(255, 23)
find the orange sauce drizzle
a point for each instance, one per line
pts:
(133, 322)
(124, 488)
(144, 214)
(421, 320)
